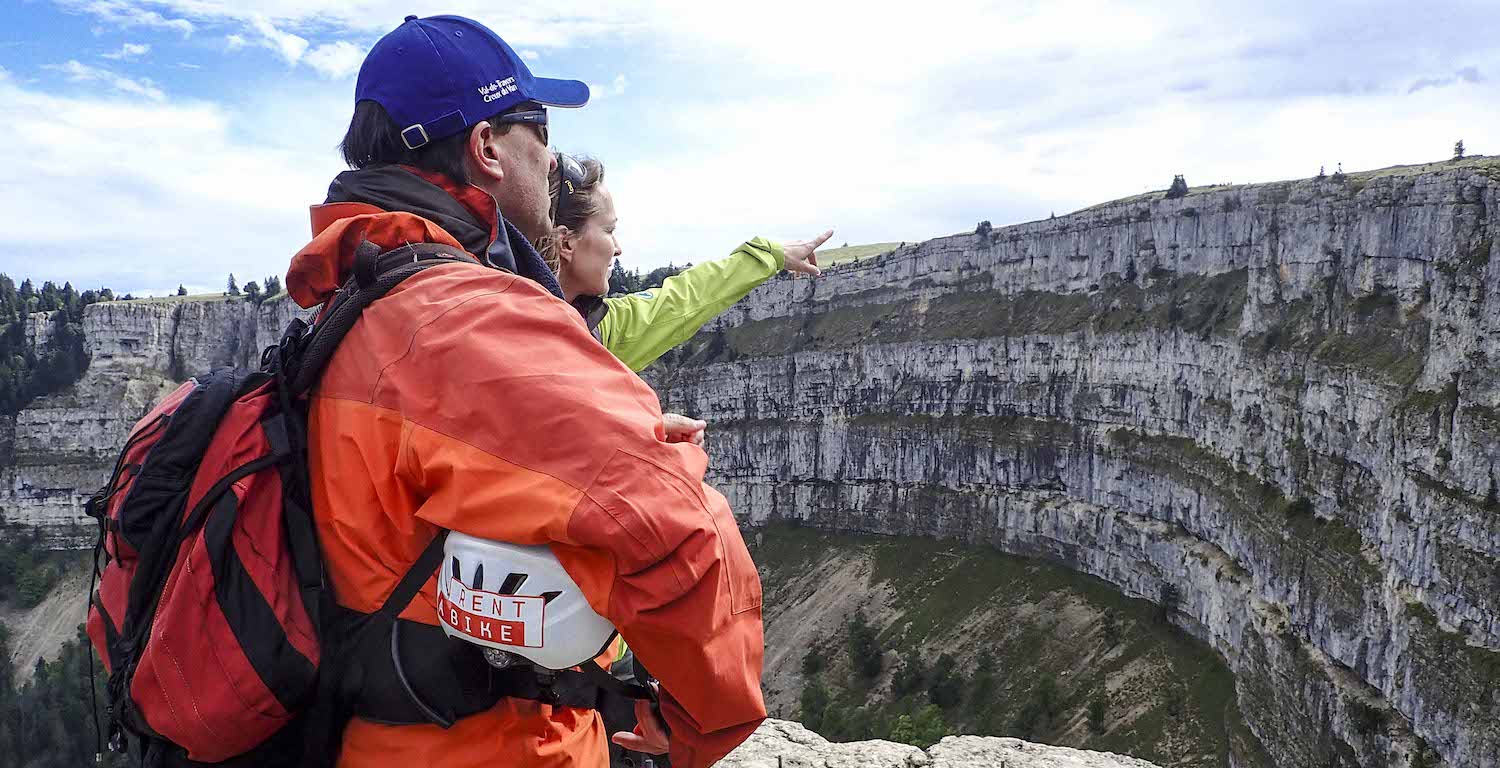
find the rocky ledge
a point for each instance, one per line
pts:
(782, 744)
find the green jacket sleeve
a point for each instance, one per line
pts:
(642, 326)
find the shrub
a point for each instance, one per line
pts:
(1109, 627)
(1178, 189)
(946, 688)
(1096, 715)
(815, 699)
(909, 677)
(864, 650)
(812, 663)
(923, 730)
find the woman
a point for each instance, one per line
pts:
(638, 329)
(642, 326)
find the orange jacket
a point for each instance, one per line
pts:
(471, 399)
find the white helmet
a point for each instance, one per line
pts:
(517, 599)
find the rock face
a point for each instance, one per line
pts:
(60, 449)
(38, 330)
(1274, 408)
(781, 744)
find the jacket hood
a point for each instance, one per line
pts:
(394, 205)
(464, 211)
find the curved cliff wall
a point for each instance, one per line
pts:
(56, 452)
(1273, 407)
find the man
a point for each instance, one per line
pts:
(472, 398)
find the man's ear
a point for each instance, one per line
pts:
(484, 154)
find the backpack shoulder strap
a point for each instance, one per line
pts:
(416, 577)
(370, 263)
(375, 274)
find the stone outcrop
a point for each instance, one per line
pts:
(1272, 407)
(61, 448)
(38, 329)
(782, 744)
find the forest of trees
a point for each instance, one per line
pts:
(26, 373)
(27, 569)
(622, 282)
(46, 723)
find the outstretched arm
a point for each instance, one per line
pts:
(643, 326)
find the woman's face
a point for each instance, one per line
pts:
(587, 255)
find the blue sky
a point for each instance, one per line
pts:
(158, 142)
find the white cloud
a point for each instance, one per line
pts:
(233, 43)
(1465, 75)
(288, 46)
(614, 88)
(530, 55)
(129, 51)
(532, 24)
(183, 199)
(335, 61)
(189, 65)
(127, 14)
(82, 73)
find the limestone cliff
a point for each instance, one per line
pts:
(1273, 407)
(56, 452)
(780, 744)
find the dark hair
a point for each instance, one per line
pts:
(581, 204)
(374, 139)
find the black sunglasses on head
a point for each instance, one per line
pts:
(536, 117)
(570, 180)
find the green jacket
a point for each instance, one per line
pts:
(642, 326)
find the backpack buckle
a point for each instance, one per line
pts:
(279, 356)
(545, 680)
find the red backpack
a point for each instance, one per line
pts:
(211, 589)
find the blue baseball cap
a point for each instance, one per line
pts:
(443, 74)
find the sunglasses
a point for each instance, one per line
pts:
(536, 117)
(570, 180)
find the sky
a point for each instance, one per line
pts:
(152, 143)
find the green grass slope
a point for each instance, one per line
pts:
(1033, 650)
